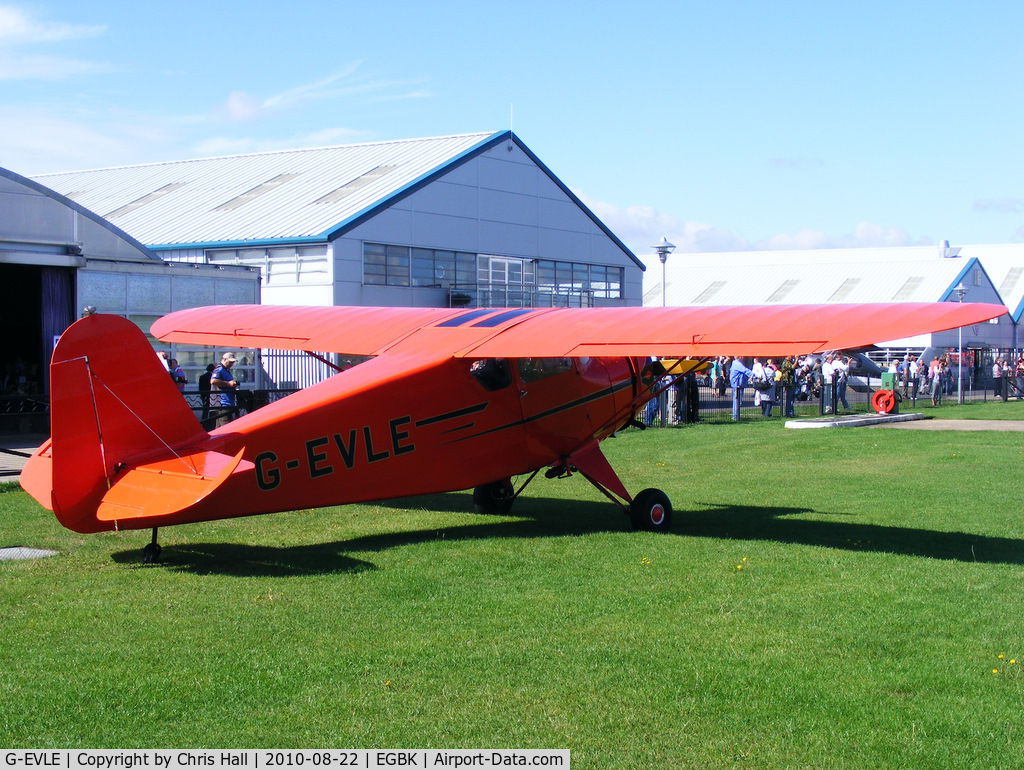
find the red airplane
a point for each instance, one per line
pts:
(450, 399)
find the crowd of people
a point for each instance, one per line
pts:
(782, 382)
(785, 381)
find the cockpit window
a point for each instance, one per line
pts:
(491, 373)
(533, 369)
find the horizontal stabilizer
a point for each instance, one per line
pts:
(37, 476)
(167, 486)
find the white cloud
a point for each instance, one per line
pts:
(34, 142)
(46, 67)
(864, 235)
(222, 145)
(18, 28)
(325, 88)
(999, 205)
(241, 106)
(641, 226)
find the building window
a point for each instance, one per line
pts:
(385, 265)
(575, 284)
(390, 265)
(443, 269)
(492, 280)
(289, 265)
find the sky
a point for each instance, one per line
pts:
(724, 126)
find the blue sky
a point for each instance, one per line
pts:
(722, 126)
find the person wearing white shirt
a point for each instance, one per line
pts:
(827, 374)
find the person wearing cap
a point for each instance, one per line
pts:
(223, 380)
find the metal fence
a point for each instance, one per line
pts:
(714, 404)
(31, 413)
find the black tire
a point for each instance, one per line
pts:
(494, 499)
(151, 553)
(651, 511)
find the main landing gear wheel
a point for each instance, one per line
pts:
(494, 499)
(651, 511)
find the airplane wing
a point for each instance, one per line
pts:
(676, 332)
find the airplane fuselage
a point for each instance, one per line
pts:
(449, 426)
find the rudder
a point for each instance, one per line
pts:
(112, 405)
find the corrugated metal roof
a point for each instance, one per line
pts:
(285, 195)
(883, 274)
(1004, 264)
(808, 283)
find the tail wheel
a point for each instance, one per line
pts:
(494, 499)
(151, 553)
(651, 511)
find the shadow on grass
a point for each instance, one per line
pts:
(534, 518)
(549, 518)
(240, 560)
(755, 523)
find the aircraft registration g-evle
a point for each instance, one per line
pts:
(451, 399)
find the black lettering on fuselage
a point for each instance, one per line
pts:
(267, 478)
(317, 460)
(348, 451)
(371, 456)
(397, 448)
(320, 459)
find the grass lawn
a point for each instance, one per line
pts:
(845, 598)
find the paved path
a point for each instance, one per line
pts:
(1005, 425)
(14, 450)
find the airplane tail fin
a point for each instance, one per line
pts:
(112, 407)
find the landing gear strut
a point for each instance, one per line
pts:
(648, 511)
(151, 553)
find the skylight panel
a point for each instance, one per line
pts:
(1010, 282)
(350, 187)
(705, 296)
(784, 290)
(255, 192)
(844, 291)
(909, 288)
(128, 208)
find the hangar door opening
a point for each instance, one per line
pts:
(36, 305)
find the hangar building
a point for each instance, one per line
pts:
(467, 220)
(897, 274)
(56, 257)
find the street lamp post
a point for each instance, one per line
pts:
(960, 290)
(664, 248)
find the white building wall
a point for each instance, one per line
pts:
(499, 203)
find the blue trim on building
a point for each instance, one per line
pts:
(254, 244)
(960, 276)
(417, 184)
